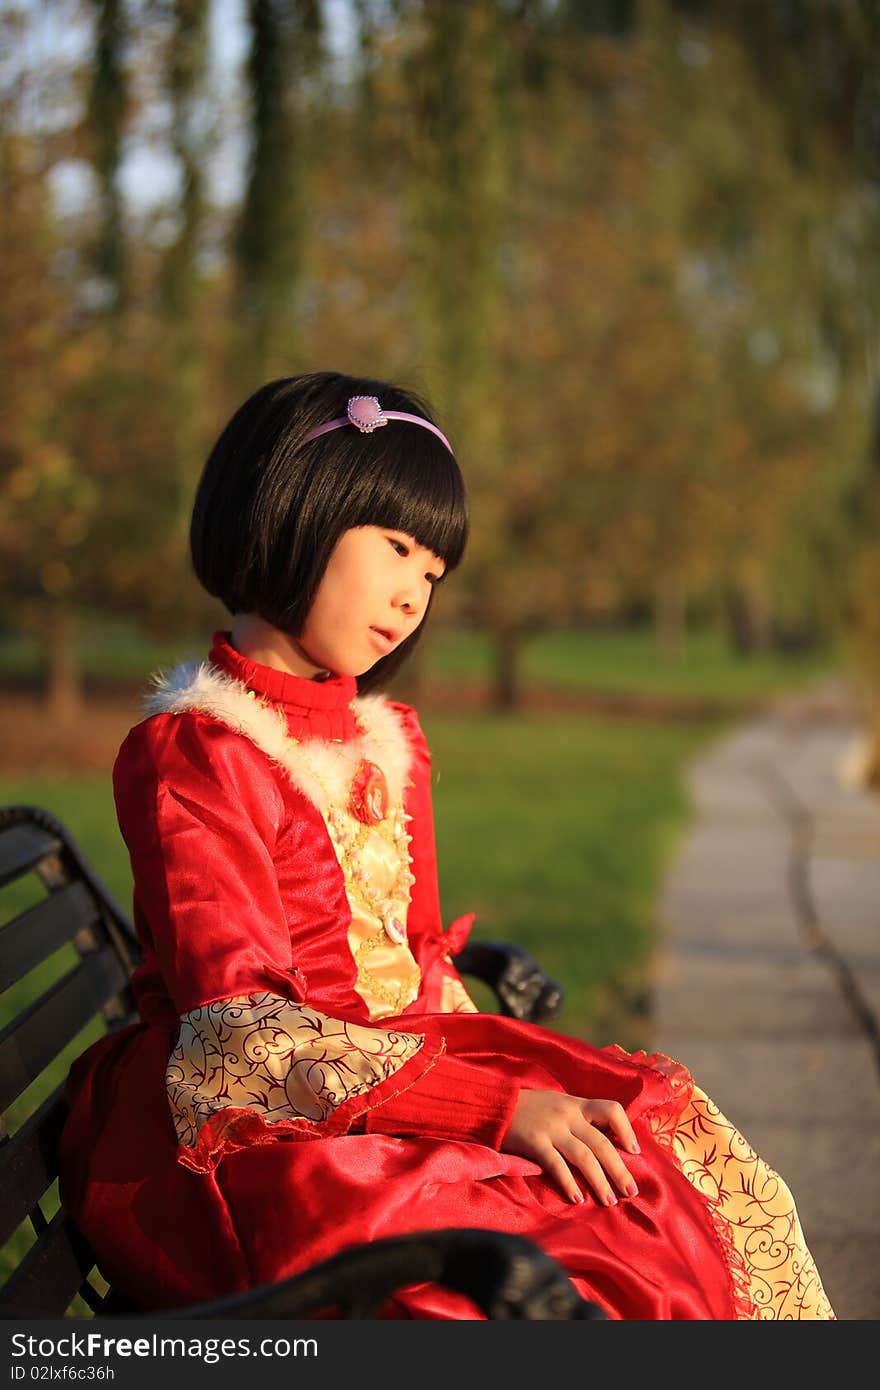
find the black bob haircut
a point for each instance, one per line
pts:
(270, 508)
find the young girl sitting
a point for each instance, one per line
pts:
(310, 1072)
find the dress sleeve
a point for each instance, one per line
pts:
(201, 811)
(201, 818)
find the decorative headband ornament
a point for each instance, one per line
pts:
(366, 414)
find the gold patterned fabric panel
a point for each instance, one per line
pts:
(283, 1060)
(774, 1273)
(454, 998)
(375, 864)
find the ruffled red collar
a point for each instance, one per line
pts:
(316, 709)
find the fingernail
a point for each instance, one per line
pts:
(634, 1149)
(577, 1196)
(631, 1190)
(610, 1199)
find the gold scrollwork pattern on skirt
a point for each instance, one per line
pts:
(774, 1273)
(283, 1060)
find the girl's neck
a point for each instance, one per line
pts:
(259, 641)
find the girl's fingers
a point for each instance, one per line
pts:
(610, 1114)
(581, 1156)
(555, 1167)
(610, 1160)
(562, 1134)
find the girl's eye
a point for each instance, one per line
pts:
(404, 550)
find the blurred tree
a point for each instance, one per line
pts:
(45, 503)
(608, 406)
(182, 280)
(670, 418)
(284, 74)
(107, 112)
(89, 493)
(463, 68)
(186, 67)
(106, 116)
(754, 239)
(633, 273)
(799, 229)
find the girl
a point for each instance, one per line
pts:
(310, 1071)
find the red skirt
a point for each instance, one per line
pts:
(712, 1234)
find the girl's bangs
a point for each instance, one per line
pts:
(415, 486)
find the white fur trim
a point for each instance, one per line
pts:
(321, 768)
(387, 739)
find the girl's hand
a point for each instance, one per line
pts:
(556, 1131)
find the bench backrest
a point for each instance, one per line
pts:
(72, 907)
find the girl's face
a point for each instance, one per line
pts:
(373, 595)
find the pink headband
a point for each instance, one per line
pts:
(367, 414)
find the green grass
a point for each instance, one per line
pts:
(106, 650)
(85, 805)
(626, 661)
(557, 834)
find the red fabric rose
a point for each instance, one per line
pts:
(368, 799)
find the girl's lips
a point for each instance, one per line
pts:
(382, 639)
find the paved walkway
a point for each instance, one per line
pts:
(768, 982)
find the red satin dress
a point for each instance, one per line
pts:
(309, 1071)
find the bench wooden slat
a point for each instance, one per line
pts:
(31, 1042)
(29, 1162)
(50, 1274)
(22, 847)
(41, 929)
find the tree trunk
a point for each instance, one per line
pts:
(506, 686)
(669, 620)
(64, 696)
(750, 621)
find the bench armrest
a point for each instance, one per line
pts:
(508, 1277)
(522, 988)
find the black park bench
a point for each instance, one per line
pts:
(72, 919)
